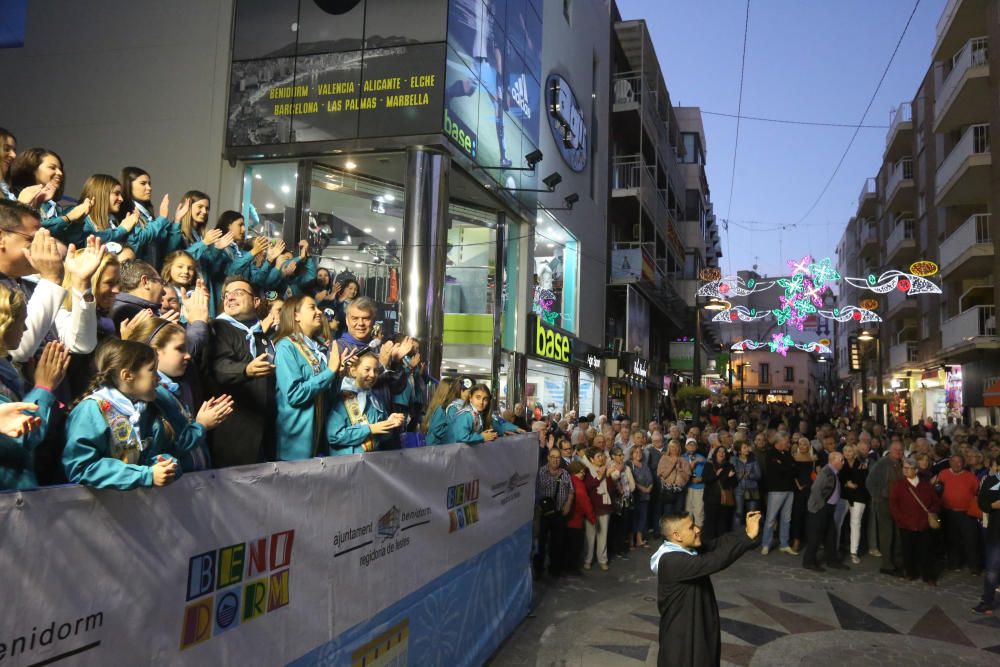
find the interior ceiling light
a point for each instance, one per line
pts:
(350, 165)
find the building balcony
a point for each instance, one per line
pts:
(899, 186)
(964, 97)
(691, 235)
(632, 177)
(964, 176)
(632, 93)
(867, 238)
(899, 304)
(899, 138)
(903, 355)
(960, 20)
(868, 199)
(968, 252)
(902, 242)
(975, 328)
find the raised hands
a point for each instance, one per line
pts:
(260, 244)
(225, 241)
(14, 423)
(164, 470)
(52, 365)
(130, 220)
(44, 256)
(165, 208)
(82, 264)
(212, 237)
(81, 210)
(128, 325)
(195, 308)
(275, 251)
(215, 410)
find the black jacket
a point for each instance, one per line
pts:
(127, 305)
(779, 471)
(987, 496)
(248, 436)
(857, 474)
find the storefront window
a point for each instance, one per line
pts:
(589, 394)
(555, 280)
(269, 198)
(547, 387)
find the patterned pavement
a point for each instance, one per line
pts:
(773, 612)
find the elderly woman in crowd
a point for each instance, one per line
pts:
(914, 506)
(747, 491)
(673, 471)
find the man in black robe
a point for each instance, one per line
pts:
(689, 615)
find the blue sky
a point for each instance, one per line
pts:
(815, 60)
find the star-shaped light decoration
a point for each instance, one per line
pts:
(822, 272)
(782, 315)
(800, 267)
(792, 285)
(780, 342)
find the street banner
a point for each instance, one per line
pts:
(416, 557)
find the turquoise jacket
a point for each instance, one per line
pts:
(463, 427)
(22, 476)
(439, 427)
(502, 426)
(148, 236)
(87, 456)
(299, 389)
(346, 438)
(78, 233)
(190, 442)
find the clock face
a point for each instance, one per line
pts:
(337, 6)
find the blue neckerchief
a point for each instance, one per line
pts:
(348, 384)
(314, 347)
(143, 212)
(667, 548)
(7, 192)
(123, 406)
(249, 331)
(351, 340)
(232, 250)
(48, 210)
(168, 383)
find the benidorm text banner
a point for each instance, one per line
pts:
(416, 557)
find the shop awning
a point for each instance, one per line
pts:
(991, 397)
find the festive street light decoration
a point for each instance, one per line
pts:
(730, 286)
(780, 344)
(848, 313)
(869, 304)
(710, 273)
(909, 283)
(924, 268)
(741, 313)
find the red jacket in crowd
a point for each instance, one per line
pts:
(959, 489)
(906, 511)
(582, 507)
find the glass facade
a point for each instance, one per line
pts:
(557, 260)
(547, 386)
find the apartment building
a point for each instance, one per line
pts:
(933, 356)
(661, 229)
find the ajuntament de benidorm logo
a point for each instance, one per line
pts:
(463, 510)
(235, 584)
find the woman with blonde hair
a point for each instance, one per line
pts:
(106, 194)
(17, 467)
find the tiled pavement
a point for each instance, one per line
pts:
(773, 612)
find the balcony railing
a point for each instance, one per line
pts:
(867, 190)
(901, 114)
(974, 231)
(902, 354)
(867, 233)
(974, 53)
(630, 172)
(902, 170)
(975, 141)
(904, 230)
(976, 321)
(632, 88)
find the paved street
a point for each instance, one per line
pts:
(773, 613)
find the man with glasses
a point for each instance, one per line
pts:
(243, 367)
(26, 250)
(142, 289)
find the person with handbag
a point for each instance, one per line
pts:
(852, 478)
(597, 483)
(554, 499)
(824, 495)
(720, 480)
(747, 492)
(673, 471)
(914, 506)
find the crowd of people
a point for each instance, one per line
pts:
(832, 488)
(141, 342)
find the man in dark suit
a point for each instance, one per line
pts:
(142, 288)
(821, 527)
(242, 366)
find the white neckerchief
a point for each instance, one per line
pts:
(348, 384)
(995, 487)
(602, 488)
(7, 192)
(48, 210)
(124, 406)
(667, 548)
(145, 214)
(913, 480)
(249, 331)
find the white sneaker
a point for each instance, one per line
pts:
(875, 552)
(855, 559)
(765, 550)
(788, 550)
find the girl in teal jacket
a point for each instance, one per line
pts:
(173, 394)
(17, 469)
(358, 419)
(117, 435)
(473, 424)
(436, 424)
(305, 375)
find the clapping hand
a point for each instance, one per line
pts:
(195, 308)
(14, 423)
(52, 365)
(753, 525)
(275, 251)
(224, 241)
(128, 325)
(82, 265)
(215, 410)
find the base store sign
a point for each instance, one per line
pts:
(305, 563)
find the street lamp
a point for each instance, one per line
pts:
(867, 336)
(741, 367)
(711, 304)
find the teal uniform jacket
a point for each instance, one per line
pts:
(190, 435)
(347, 438)
(78, 232)
(148, 236)
(21, 450)
(87, 457)
(502, 426)
(463, 427)
(439, 427)
(303, 276)
(299, 387)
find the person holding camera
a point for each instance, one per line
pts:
(554, 502)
